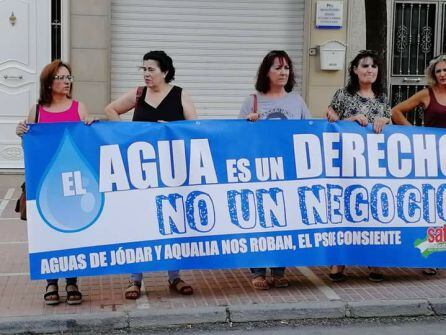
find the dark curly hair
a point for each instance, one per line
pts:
(262, 83)
(164, 61)
(46, 80)
(353, 81)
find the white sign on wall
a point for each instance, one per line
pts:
(329, 14)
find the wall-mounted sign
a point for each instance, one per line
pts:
(329, 14)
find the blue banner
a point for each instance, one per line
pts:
(121, 197)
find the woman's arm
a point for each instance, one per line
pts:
(247, 108)
(22, 127)
(85, 115)
(336, 105)
(121, 105)
(418, 99)
(332, 116)
(190, 113)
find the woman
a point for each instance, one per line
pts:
(363, 100)
(433, 101)
(158, 101)
(56, 105)
(274, 99)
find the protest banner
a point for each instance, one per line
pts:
(121, 197)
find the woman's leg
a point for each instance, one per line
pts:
(51, 295)
(278, 277)
(375, 274)
(177, 284)
(337, 273)
(74, 296)
(173, 275)
(136, 277)
(133, 290)
(258, 279)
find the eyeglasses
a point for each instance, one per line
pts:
(63, 77)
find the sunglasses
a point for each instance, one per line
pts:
(368, 52)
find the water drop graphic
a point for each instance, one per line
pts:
(68, 199)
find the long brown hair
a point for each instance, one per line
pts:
(262, 82)
(46, 80)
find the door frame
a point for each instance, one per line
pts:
(65, 36)
(11, 146)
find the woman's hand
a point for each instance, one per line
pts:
(360, 118)
(21, 128)
(89, 119)
(253, 117)
(379, 124)
(332, 116)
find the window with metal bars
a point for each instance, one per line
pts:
(418, 36)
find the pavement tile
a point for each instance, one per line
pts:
(216, 291)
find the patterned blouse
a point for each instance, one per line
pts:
(347, 105)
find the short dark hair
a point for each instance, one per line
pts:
(262, 82)
(164, 61)
(353, 81)
(46, 80)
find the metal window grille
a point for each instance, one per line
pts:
(418, 36)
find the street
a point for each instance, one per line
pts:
(372, 326)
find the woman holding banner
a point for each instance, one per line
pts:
(363, 101)
(157, 101)
(433, 101)
(56, 105)
(274, 99)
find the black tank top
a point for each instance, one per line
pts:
(170, 109)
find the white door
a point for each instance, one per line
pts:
(25, 47)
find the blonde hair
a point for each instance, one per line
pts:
(430, 70)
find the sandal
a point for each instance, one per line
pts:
(51, 297)
(74, 296)
(280, 282)
(133, 290)
(376, 277)
(179, 286)
(337, 277)
(260, 283)
(429, 271)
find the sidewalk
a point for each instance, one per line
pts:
(220, 296)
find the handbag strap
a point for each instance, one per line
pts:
(36, 120)
(254, 104)
(139, 92)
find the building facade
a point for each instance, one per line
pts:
(216, 47)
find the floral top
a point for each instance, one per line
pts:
(347, 105)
